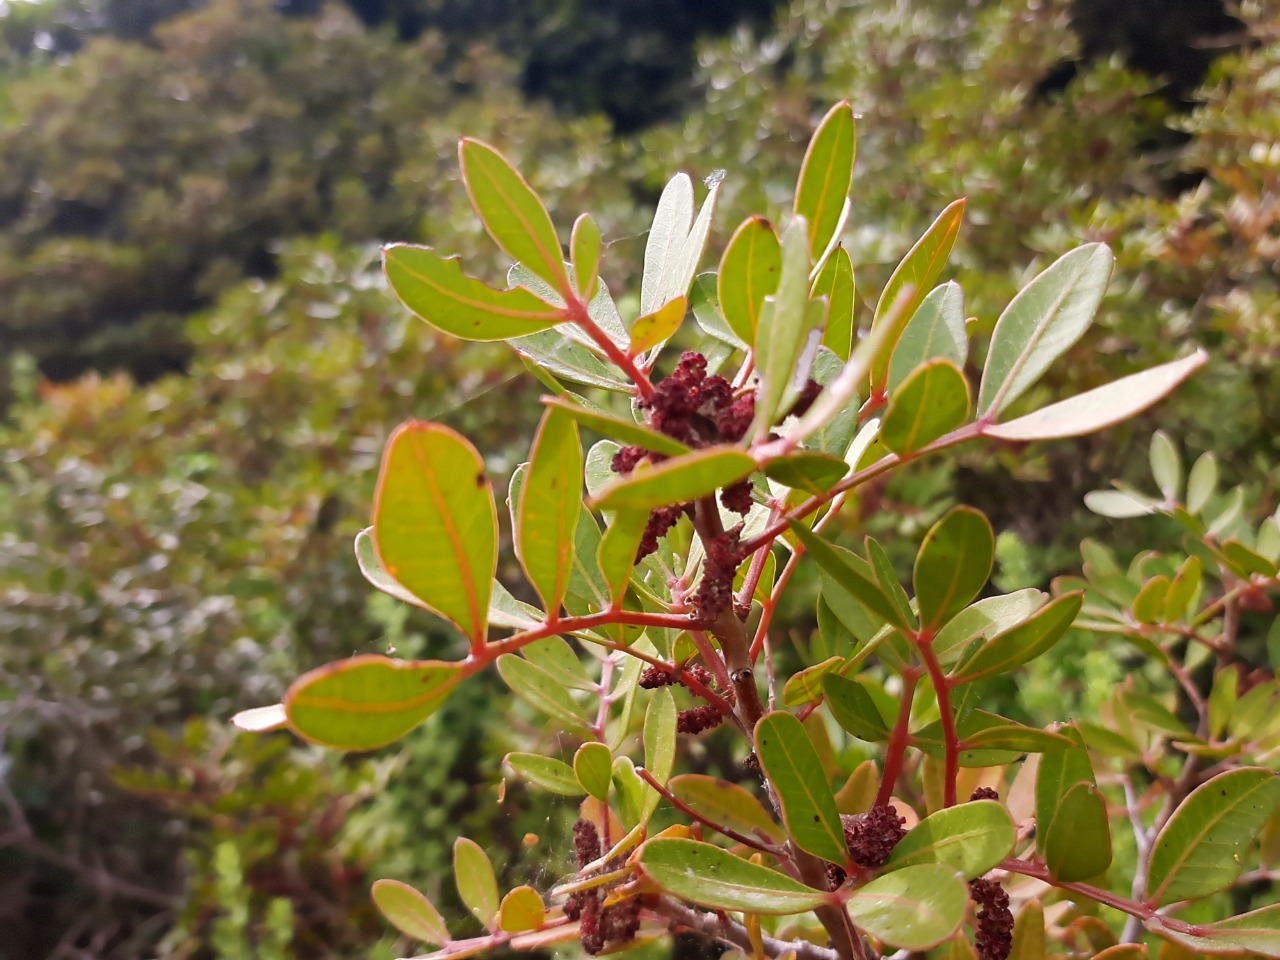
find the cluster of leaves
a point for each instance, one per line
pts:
(171, 549)
(803, 868)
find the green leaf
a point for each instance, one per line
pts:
(410, 912)
(1102, 407)
(704, 301)
(550, 505)
(368, 701)
(1077, 838)
(629, 791)
(435, 525)
(542, 691)
(551, 351)
(915, 908)
(512, 213)
(726, 803)
(1166, 466)
(628, 431)
(931, 402)
(713, 877)
(659, 744)
(1202, 483)
(1201, 849)
(792, 765)
(826, 174)
(1223, 696)
(1060, 768)
(618, 548)
(1023, 643)
(506, 611)
(521, 910)
(557, 657)
(376, 574)
(785, 329)
(850, 578)
(953, 565)
(987, 739)
(584, 247)
(675, 242)
(477, 885)
(655, 329)
(554, 776)
(937, 331)
(1245, 562)
(971, 838)
(1028, 933)
(1041, 323)
(593, 766)
(835, 282)
(681, 478)
(805, 686)
(919, 270)
(1256, 932)
(852, 707)
(749, 272)
(436, 289)
(987, 618)
(1119, 504)
(807, 470)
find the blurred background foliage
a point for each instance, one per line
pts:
(200, 365)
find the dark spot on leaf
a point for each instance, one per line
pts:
(481, 479)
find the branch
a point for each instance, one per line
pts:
(719, 927)
(897, 748)
(578, 315)
(950, 739)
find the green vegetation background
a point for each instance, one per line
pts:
(200, 205)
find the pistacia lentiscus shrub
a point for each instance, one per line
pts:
(656, 593)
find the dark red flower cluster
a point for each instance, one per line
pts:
(697, 410)
(699, 719)
(995, 920)
(715, 591)
(871, 836)
(984, 793)
(599, 925)
(655, 677)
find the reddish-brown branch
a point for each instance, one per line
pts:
(1039, 871)
(950, 739)
(897, 748)
(576, 312)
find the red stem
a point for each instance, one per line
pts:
(1040, 872)
(577, 314)
(897, 749)
(950, 740)
(559, 625)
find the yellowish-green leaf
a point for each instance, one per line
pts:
(936, 331)
(726, 803)
(410, 912)
(435, 525)
(713, 877)
(550, 505)
(521, 910)
(512, 213)
(835, 282)
(931, 402)
(915, 908)
(659, 744)
(368, 701)
(1022, 643)
(655, 329)
(826, 174)
(1077, 838)
(584, 247)
(970, 837)
(554, 776)
(804, 793)
(919, 272)
(687, 477)
(953, 565)
(477, 885)
(593, 766)
(1201, 849)
(436, 289)
(749, 272)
